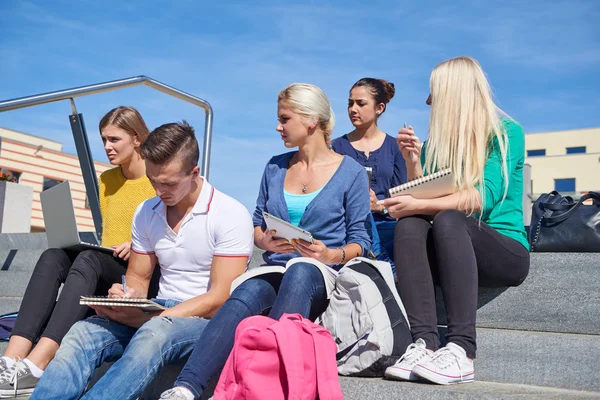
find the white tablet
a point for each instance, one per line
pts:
(285, 230)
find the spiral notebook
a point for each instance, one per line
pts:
(145, 304)
(431, 186)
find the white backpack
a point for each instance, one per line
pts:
(366, 318)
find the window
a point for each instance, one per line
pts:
(536, 153)
(576, 150)
(8, 175)
(49, 182)
(564, 185)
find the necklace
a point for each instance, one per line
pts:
(304, 185)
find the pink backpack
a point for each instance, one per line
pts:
(289, 359)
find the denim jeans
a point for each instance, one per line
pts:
(385, 235)
(139, 355)
(302, 290)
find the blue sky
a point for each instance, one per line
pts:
(542, 58)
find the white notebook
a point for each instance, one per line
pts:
(431, 186)
(144, 304)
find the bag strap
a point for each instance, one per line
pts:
(393, 309)
(567, 214)
(287, 340)
(327, 379)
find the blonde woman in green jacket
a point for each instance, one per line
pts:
(473, 237)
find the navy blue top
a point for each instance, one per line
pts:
(337, 216)
(389, 167)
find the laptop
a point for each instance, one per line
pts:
(59, 218)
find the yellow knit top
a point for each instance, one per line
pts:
(119, 198)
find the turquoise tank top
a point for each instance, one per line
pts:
(296, 204)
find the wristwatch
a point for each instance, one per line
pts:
(384, 211)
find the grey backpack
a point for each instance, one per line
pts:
(366, 318)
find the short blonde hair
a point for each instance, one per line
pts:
(310, 102)
(463, 124)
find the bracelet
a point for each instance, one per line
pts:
(343, 255)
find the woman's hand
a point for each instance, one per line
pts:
(374, 206)
(122, 250)
(316, 250)
(402, 206)
(409, 143)
(268, 242)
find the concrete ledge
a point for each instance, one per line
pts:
(559, 295)
(559, 360)
(379, 389)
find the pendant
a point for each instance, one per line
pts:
(303, 188)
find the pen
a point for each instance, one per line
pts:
(412, 155)
(124, 284)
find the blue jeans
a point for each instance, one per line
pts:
(302, 290)
(383, 241)
(139, 355)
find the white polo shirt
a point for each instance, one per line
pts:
(218, 225)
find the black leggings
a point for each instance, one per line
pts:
(459, 253)
(86, 273)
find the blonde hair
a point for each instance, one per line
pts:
(310, 102)
(463, 124)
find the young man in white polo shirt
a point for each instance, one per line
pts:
(202, 240)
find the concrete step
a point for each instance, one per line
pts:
(379, 389)
(16, 267)
(559, 295)
(559, 360)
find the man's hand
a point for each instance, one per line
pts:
(129, 316)
(116, 291)
(122, 250)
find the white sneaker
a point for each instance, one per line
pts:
(448, 365)
(177, 393)
(415, 353)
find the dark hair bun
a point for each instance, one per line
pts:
(389, 89)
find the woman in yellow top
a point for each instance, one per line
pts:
(42, 315)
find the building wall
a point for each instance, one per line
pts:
(557, 164)
(24, 155)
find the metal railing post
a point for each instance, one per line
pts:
(88, 169)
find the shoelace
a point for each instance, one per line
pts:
(444, 357)
(7, 373)
(170, 393)
(18, 369)
(412, 353)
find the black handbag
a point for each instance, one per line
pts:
(558, 224)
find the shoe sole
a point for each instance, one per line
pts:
(442, 379)
(9, 394)
(400, 374)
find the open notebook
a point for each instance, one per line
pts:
(145, 304)
(431, 186)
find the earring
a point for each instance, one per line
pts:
(377, 112)
(310, 127)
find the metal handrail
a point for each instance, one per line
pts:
(50, 97)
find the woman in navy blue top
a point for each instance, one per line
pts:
(337, 216)
(377, 150)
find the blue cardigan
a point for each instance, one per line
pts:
(338, 215)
